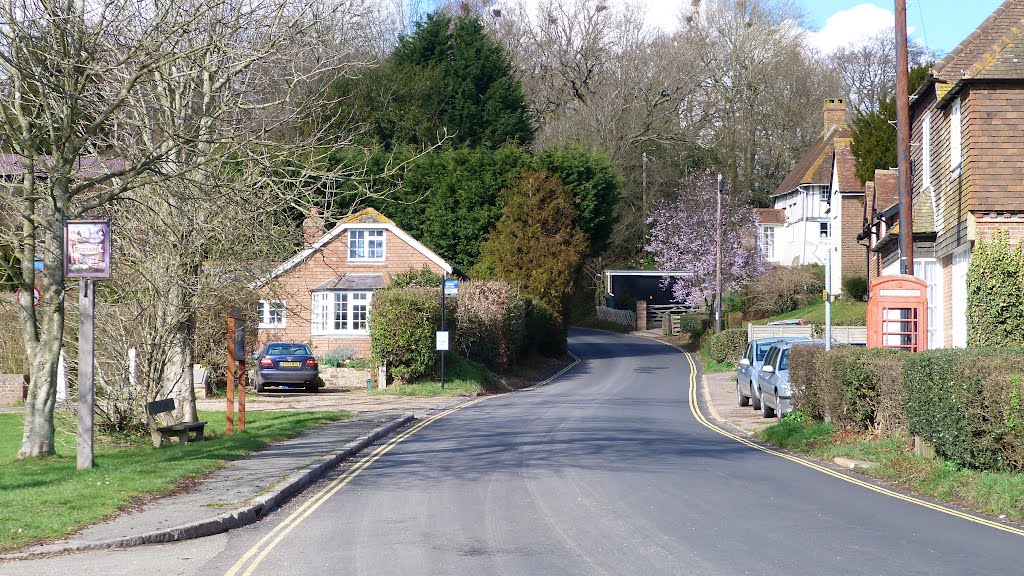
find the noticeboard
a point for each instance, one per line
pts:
(87, 249)
(442, 341)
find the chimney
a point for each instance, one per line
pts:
(312, 227)
(835, 112)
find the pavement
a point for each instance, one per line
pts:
(242, 492)
(720, 394)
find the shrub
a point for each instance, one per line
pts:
(546, 333)
(967, 403)
(402, 326)
(784, 289)
(855, 287)
(726, 345)
(423, 277)
(694, 325)
(995, 294)
(492, 322)
(854, 388)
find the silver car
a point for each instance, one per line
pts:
(773, 378)
(749, 366)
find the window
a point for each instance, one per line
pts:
(340, 312)
(768, 242)
(961, 263)
(366, 245)
(823, 229)
(955, 135)
(824, 195)
(784, 362)
(270, 313)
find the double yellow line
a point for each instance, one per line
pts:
(695, 409)
(255, 555)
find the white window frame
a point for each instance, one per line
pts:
(828, 229)
(930, 270)
(958, 300)
(824, 194)
(767, 238)
(340, 312)
(367, 245)
(265, 312)
(926, 149)
(956, 150)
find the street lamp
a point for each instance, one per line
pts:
(828, 286)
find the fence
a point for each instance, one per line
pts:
(841, 334)
(624, 317)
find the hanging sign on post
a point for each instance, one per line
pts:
(87, 249)
(451, 287)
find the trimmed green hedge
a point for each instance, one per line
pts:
(968, 404)
(403, 322)
(726, 345)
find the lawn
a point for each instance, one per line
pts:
(844, 313)
(993, 493)
(126, 470)
(462, 377)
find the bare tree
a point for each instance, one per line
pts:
(868, 69)
(155, 102)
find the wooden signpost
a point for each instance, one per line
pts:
(236, 365)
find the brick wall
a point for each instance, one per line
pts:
(294, 288)
(854, 262)
(12, 389)
(987, 224)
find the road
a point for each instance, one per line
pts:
(606, 470)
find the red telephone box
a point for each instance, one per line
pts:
(898, 313)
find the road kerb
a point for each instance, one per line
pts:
(242, 516)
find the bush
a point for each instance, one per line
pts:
(967, 403)
(402, 326)
(854, 388)
(726, 345)
(784, 289)
(995, 294)
(492, 322)
(423, 277)
(855, 287)
(546, 333)
(694, 324)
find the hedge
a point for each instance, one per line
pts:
(403, 322)
(727, 345)
(546, 333)
(968, 404)
(492, 322)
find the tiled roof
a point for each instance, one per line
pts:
(366, 216)
(846, 167)
(770, 215)
(815, 167)
(993, 51)
(353, 282)
(886, 193)
(923, 214)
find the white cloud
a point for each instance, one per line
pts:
(851, 27)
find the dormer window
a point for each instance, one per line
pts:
(366, 245)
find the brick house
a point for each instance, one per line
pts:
(823, 203)
(967, 158)
(323, 294)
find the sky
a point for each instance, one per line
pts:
(938, 24)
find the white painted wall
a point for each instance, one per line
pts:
(804, 209)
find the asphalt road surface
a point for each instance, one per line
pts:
(606, 470)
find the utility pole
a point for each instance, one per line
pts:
(903, 142)
(643, 190)
(718, 257)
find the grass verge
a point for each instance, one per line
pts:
(844, 313)
(47, 498)
(462, 377)
(999, 494)
(713, 367)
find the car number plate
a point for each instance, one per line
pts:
(290, 364)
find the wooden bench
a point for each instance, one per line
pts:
(180, 429)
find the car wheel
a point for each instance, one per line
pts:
(740, 398)
(259, 385)
(755, 398)
(766, 410)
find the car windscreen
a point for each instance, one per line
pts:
(287, 349)
(762, 349)
(784, 362)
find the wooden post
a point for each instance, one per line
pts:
(242, 376)
(230, 414)
(86, 349)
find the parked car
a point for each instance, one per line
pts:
(750, 364)
(773, 378)
(289, 364)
